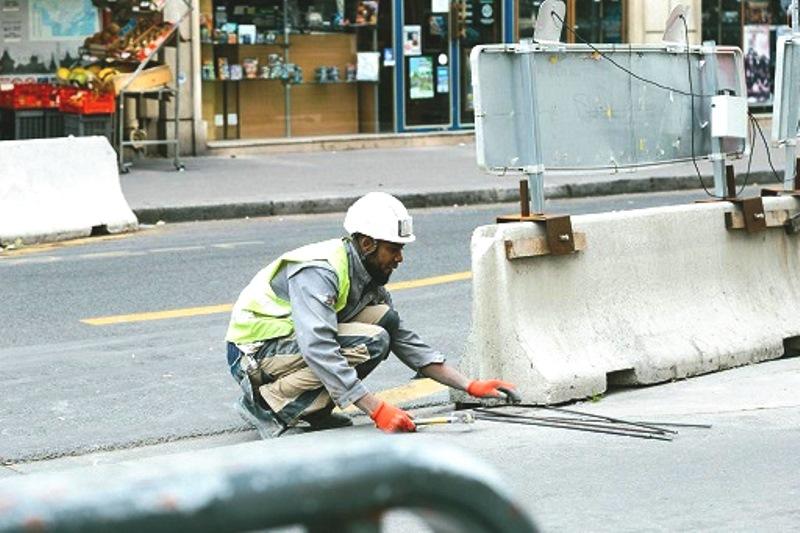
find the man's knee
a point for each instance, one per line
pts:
(390, 321)
(378, 345)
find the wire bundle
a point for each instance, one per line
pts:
(558, 417)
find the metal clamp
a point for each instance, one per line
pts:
(751, 216)
(559, 238)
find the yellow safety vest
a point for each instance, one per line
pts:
(259, 314)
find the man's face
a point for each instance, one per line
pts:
(381, 263)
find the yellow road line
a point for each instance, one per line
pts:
(226, 308)
(158, 315)
(425, 282)
(414, 390)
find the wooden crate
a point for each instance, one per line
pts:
(149, 78)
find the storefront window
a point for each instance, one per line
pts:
(597, 21)
(285, 68)
(755, 26)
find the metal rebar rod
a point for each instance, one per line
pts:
(654, 436)
(591, 415)
(582, 423)
(679, 424)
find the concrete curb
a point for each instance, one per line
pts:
(151, 215)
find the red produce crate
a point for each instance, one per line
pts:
(84, 102)
(48, 95)
(22, 96)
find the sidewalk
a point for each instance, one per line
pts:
(217, 187)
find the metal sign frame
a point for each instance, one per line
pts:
(529, 116)
(786, 104)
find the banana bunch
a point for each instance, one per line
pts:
(91, 77)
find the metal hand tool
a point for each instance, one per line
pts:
(455, 418)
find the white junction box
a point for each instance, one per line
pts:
(729, 116)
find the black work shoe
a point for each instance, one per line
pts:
(265, 422)
(327, 420)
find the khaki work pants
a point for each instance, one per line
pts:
(291, 389)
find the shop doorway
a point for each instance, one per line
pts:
(437, 38)
(427, 64)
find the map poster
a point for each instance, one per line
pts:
(62, 20)
(38, 36)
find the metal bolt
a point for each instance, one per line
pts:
(564, 237)
(758, 216)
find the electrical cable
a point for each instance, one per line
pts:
(691, 94)
(750, 158)
(691, 90)
(766, 146)
(626, 70)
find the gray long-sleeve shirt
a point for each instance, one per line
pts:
(311, 288)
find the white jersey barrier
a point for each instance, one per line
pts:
(52, 189)
(657, 294)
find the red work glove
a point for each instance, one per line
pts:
(390, 419)
(489, 388)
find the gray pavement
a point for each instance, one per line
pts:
(734, 476)
(218, 187)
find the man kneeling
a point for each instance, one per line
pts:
(317, 320)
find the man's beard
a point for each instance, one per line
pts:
(377, 275)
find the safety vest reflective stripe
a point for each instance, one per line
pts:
(259, 314)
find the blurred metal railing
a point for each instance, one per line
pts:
(340, 484)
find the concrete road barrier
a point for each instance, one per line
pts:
(54, 189)
(658, 294)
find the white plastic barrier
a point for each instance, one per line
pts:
(53, 189)
(658, 294)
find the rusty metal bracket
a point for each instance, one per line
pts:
(559, 238)
(779, 191)
(751, 215)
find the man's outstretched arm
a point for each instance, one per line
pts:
(450, 376)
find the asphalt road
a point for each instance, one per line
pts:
(70, 387)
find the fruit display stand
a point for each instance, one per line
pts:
(141, 44)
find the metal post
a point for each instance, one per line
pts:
(717, 150)
(790, 167)
(536, 177)
(536, 186)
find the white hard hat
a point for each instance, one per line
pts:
(380, 216)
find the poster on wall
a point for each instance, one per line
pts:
(37, 36)
(756, 63)
(367, 66)
(412, 40)
(442, 80)
(420, 76)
